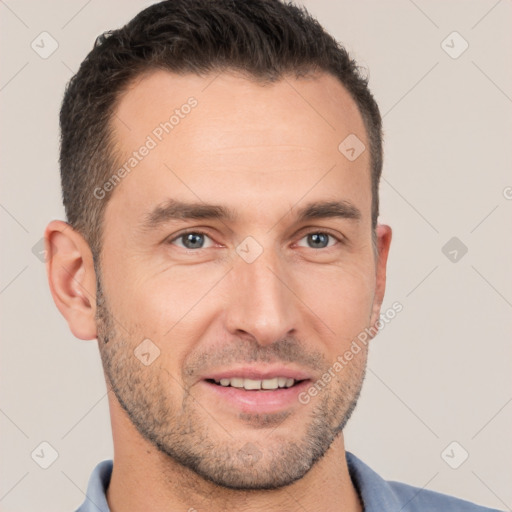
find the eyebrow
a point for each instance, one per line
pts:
(173, 209)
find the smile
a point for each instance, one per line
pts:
(254, 384)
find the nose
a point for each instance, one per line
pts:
(262, 304)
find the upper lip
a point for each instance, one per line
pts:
(258, 373)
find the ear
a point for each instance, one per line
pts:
(384, 235)
(71, 276)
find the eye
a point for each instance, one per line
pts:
(192, 240)
(320, 239)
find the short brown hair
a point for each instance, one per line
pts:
(264, 39)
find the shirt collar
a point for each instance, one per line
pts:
(375, 493)
(96, 498)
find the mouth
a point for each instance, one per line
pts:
(269, 384)
(251, 391)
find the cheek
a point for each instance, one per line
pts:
(176, 296)
(172, 308)
(342, 297)
(158, 299)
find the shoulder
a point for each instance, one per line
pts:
(416, 499)
(381, 495)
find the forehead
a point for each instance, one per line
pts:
(223, 138)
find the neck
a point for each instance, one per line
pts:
(144, 479)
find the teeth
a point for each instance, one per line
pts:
(236, 383)
(270, 383)
(251, 384)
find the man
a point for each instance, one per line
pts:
(220, 163)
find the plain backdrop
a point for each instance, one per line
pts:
(438, 385)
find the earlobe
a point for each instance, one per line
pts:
(384, 235)
(72, 278)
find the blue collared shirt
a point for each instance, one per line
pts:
(377, 494)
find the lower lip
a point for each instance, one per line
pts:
(259, 401)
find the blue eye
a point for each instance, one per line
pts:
(192, 240)
(319, 240)
(198, 240)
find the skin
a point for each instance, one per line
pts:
(263, 151)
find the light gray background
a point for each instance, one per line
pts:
(440, 372)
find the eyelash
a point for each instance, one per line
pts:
(199, 232)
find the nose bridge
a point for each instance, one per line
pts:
(261, 303)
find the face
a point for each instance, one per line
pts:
(237, 265)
